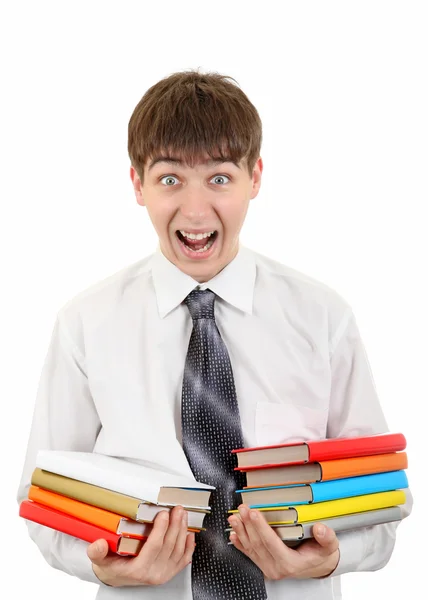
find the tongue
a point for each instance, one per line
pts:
(196, 244)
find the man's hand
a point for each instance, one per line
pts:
(168, 549)
(253, 536)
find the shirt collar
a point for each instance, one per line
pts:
(234, 284)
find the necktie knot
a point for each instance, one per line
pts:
(200, 304)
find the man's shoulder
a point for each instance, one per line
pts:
(108, 291)
(311, 301)
(287, 277)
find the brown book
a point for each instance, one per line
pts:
(130, 507)
(126, 476)
(105, 519)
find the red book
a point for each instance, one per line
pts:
(50, 517)
(316, 450)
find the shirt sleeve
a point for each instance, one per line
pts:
(355, 410)
(64, 418)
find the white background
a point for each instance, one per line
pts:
(342, 92)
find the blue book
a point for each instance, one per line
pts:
(322, 491)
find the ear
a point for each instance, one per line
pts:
(136, 182)
(256, 178)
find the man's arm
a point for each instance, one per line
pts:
(355, 410)
(64, 418)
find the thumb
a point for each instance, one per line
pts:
(97, 551)
(326, 537)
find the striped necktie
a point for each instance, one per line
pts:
(211, 429)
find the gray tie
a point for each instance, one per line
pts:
(211, 429)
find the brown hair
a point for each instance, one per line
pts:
(192, 114)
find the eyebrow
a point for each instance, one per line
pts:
(173, 161)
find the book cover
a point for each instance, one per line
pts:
(91, 514)
(343, 523)
(118, 475)
(55, 519)
(318, 450)
(324, 490)
(260, 476)
(303, 531)
(114, 502)
(333, 508)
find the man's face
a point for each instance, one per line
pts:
(197, 212)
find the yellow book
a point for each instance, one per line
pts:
(301, 513)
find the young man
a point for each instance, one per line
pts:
(144, 365)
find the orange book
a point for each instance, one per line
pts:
(363, 465)
(90, 514)
(324, 470)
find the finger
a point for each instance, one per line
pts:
(239, 528)
(249, 518)
(318, 564)
(180, 544)
(326, 538)
(153, 545)
(97, 551)
(189, 548)
(259, 542)
(272, 546)
(235, 541)
(172, 533)
(313, 552)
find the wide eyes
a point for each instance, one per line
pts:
(168, 180)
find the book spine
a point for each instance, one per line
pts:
(86, 512)
(84, 492)
(363, 465)
(346, 506)
(358, 446)
(358, 486)
(54, 519)
(355, 521)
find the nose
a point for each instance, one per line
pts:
(195, 206)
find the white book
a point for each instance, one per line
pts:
(122, 476)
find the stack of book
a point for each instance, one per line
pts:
(345, 483)
(92, 496)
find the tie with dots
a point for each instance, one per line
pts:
(211, 429)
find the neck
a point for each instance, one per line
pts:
(208, 276)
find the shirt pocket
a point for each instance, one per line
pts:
(282, 423)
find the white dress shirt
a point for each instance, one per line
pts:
(111, 383)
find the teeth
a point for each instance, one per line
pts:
(196, 236)
(204, 249)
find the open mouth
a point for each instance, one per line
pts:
(197, 243)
